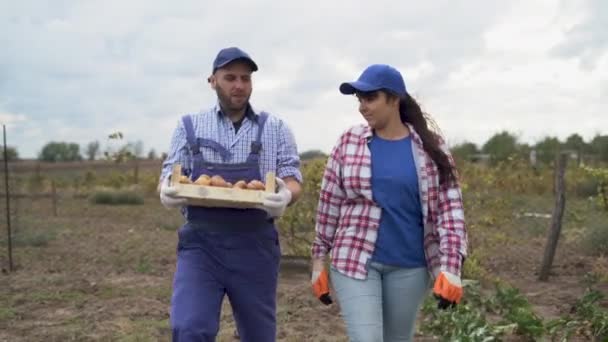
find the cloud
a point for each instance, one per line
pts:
(587, 38)
(80, 70)
(10, 119)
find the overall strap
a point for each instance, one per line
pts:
(212, 144)
(190, 136)
(256, 146)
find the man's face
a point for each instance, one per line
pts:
(232, 84)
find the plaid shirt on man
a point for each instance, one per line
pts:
(347, 217)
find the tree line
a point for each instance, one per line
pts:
(504, 145)
(69, 151)
(499, 147)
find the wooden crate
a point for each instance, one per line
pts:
(212, 196)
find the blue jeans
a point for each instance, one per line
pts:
(383, 307)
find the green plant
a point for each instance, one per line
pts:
(464, 323)
(7, 314)
(89, 179)
(31, 238)
(601, 175)
(297, 225)
(595, 240)
(588, 319)
(516, 309)
(468, 322)
(116, 197)
(143, 266)
(472, 268)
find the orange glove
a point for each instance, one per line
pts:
(320, 286)
(448, 290)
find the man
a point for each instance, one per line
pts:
(223, 251)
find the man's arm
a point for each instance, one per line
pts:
(288, 162)
(176, 153)
(295, 187)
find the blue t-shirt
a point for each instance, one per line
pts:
(395, 189)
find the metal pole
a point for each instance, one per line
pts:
(8, 203)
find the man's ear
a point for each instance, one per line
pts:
(212, 81)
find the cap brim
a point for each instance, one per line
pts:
(349, 88)
(254, 67)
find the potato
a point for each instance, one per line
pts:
(240, 185)
(203, 180)
(256, 185)
(184, 179)
(218, 181)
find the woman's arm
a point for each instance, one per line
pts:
(331, 196)
(451, 224)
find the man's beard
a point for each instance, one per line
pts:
(227, 102)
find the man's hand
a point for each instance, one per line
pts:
(448, 290)
(320, 282)
(167, 195)
(275, 203)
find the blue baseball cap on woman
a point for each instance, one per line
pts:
(376, 77)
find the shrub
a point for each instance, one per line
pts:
(117, 197)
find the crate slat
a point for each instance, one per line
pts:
(211, 196)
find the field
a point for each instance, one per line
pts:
(103, 272)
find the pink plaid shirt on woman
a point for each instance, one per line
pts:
(347, 218)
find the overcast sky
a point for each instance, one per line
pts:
(76, 71)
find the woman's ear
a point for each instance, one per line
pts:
(393, 101)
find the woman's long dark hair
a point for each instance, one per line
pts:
(410, 112)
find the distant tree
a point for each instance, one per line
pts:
(92, 150)
(312, 154)
(501, 146)
(599, 147)
(523, 150)
(547, 149)
(464, 151)
(11, 153)
(152, 154)
(124, 153)
(60, 151)
(575, 142)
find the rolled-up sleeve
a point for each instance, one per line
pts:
(288, 160)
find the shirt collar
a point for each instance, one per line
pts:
(368, 133)
(249, 112)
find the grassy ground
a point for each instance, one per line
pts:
(103, 273)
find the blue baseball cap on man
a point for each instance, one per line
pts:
(231, 54)
(376, 77)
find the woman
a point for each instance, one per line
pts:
(390, 214)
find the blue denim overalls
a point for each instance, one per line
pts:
(224, 251)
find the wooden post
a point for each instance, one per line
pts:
(556, 218)
(136, 171)
(8, 204)
(54, 197)
(37, 170)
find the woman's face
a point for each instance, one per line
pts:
(377, 109)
